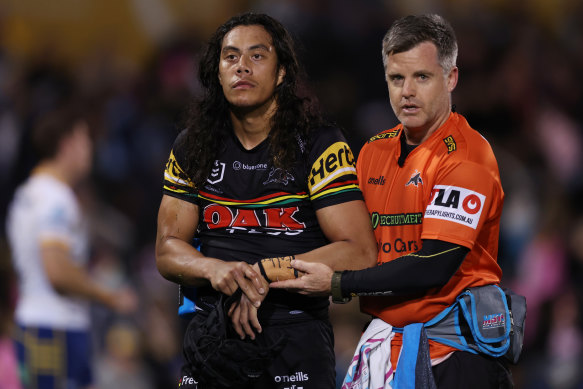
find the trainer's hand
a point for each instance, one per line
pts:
(316, 280)
(227, 277)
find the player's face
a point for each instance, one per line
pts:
(419, 89)
(82, 149)
(248, 70)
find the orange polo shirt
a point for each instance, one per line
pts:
(448, 189)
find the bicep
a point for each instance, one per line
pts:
(56, 258)
(176, 219)
(345, 221)
(349, 222)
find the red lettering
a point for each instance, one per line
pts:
(245, 218)
(283, 218)
(217, 216)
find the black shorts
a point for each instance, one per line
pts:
(307, 360)
(466, 370)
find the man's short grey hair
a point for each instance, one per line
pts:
(408, 32)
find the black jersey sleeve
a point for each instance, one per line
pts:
(331, 169)
(432, 266)
(176, 181)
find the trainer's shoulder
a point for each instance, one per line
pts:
(387, 135)
(465, 143)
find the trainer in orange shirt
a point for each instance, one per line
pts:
(433, 190)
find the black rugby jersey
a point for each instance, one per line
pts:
(250, 210)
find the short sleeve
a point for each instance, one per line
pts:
(463, 199)
(332, 170)
(176, 181)
(57, 221)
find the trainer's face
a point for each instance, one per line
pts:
(419, 90)
(248, 69)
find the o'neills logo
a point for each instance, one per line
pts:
(377, 181)
(299, 376)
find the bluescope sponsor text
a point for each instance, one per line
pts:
(335, 162)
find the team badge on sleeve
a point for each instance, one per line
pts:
(459, 205)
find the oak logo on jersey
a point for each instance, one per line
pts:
(220, 216)
(217, 173)
(459, 205)
(415, 179)
(335, 162)
(450, 143)
(383, 135)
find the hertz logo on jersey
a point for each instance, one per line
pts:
(335, 162)
(459, 205)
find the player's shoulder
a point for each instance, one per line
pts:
(327, 134)
(179, 148)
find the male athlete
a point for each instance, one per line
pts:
(433, 190)
(258, 179)
(48, 237)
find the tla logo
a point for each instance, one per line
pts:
(459, 205)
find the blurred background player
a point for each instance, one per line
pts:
(48, 238)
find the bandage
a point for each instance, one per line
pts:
(278, 269)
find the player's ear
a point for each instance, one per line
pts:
(280, 75)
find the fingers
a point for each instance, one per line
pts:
(306, 267)
(249, 290)
(253, 274)
(296, 283)
(229, 276)
(235, 314)
(244, 318)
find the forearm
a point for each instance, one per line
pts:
(179, 262)
(69, 279)
(418, 272)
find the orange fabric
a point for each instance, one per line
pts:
(448, 189)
